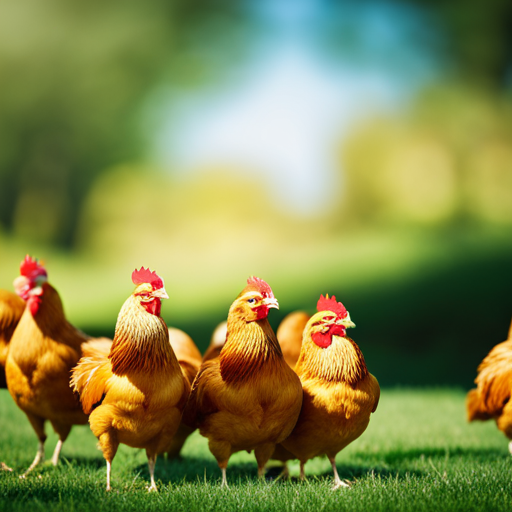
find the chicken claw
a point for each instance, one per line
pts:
(338, 483)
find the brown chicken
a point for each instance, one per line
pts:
(42, 351)
(135, 393)
(339, 392)
(189, 358)
(248, 398)
(217, 341)
(11, 309)
(289, 334)
(491, 398)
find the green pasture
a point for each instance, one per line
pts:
(418, 454)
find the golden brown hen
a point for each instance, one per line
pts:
(11, 309)
(339, 392)
(491, 398)
(248, 398)
(135, 392)
(190, 359)
(289, 334)
(217, 341)
(42, 351)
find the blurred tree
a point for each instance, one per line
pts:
(446, 160)
(73, 79)
(467, 40)
(477, 38)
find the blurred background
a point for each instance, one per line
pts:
(356, 148)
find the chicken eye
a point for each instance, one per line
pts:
(251, 301)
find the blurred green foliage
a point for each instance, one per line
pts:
(477, 39)
(74, 79)
(448, 159)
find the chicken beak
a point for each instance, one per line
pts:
(270, 303)
(346, 322)
(160, 293)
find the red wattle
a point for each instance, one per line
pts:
(324, 339)
(154, 306)
(33, 304)
(261, 312)
(338, 330)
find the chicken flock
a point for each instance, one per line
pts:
(301, 393)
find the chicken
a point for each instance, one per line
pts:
(289, 333)
(189, 358)
(491, 398)
(217, 341)
(11, 309)
(136, 391)
(248, 398)
(339, 392)
(42, 351)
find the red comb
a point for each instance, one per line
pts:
(329, 304)
(261, 286)
(31, 268)
(144, 275)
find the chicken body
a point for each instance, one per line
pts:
(289, 334)
(11, 309)
(248, 398)
(339, 392)
(189, 358)
(217, 341)
(136, 391)
(491, 398)
(42, 351)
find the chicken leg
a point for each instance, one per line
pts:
(338, 483)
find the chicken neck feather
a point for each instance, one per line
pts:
(249, 346)
(141, 341)
(342, 361)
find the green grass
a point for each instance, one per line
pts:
(417, 454)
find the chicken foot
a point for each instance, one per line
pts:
(302, 475)
(38, 458)
(151, 465)
(38, 425)
(224, 479)
(338, 483)
(108, 443)
(109, 469)
(263, 454)
(56, 452)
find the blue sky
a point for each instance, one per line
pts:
(294, 98)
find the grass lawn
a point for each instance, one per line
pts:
(418, 454)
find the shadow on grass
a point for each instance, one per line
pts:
(353, 473)
(194, 469)
(476, 454)
(395, 460)
(198, 468)
(86, 462)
